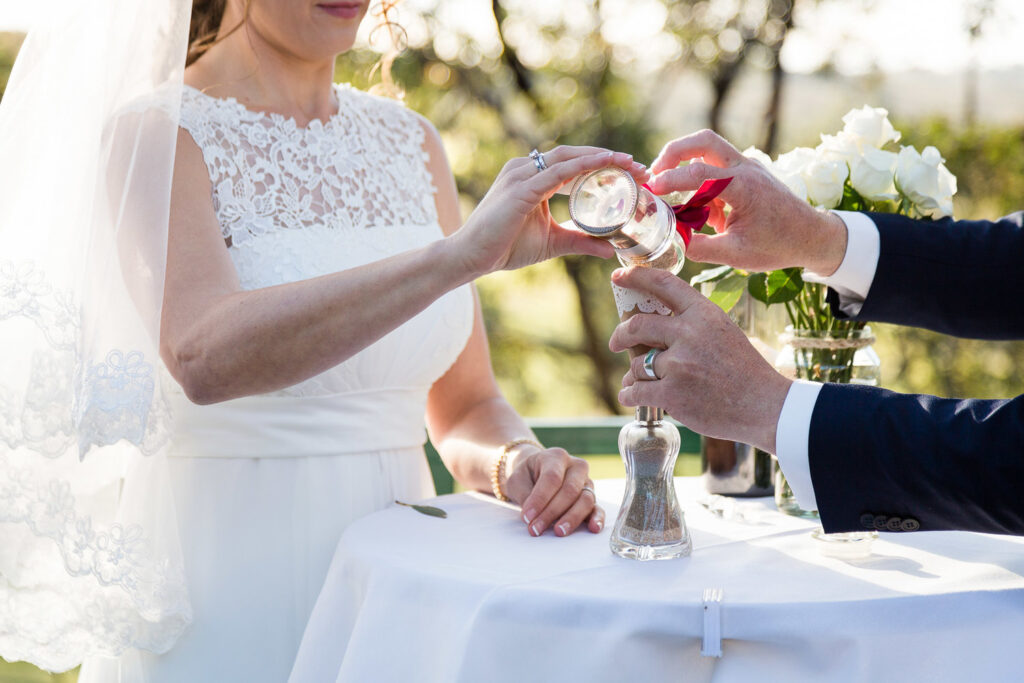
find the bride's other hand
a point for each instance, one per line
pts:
(512, 226)
(554, 490)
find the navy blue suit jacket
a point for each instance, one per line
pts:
(876, 455)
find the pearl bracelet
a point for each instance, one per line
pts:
(498, 468)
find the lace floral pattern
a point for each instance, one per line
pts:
(363, 168)
(627, 300)
(49, 422)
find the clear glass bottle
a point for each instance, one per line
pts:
(607, 203)
(650, 525)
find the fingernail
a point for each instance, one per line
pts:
(537, 528)
(529, 515)
(562, 529)
(600, 524)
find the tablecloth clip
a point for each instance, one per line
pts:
(711, 646)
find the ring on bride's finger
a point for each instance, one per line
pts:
(591, 489)
(538, 160)
(649, 364)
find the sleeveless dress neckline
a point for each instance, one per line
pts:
(339, 89)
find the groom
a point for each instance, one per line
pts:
(864, 457)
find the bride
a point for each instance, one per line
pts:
(315, 304)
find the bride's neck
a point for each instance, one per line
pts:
(265, 77)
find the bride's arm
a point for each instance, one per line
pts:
(469, 420)
(221, 342)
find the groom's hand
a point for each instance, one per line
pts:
(554, 490)
(768, 227)
(710, 378)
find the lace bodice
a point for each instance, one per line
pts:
(296, 203)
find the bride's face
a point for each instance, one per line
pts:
(312, 30)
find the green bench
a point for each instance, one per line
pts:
(594, 438)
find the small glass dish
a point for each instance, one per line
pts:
(853, 545)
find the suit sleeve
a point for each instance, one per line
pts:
(962, 278)
(941, 463)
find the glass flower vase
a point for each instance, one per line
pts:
(650, 525)
(733, 468)
(845, 358)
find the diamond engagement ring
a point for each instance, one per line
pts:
(538, 160)
(649, 364)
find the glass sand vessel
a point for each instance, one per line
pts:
(607, 203)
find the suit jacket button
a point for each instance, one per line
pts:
(910, 524)
(894, 524)
(867, 520)
(880, 521)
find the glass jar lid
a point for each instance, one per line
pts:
(602, 201)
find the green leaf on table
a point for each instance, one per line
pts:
(777, 286)
(710, 275)
(728, 291)
(426, 510)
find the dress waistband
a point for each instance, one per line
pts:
(297, 426)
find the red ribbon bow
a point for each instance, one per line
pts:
(694, 213)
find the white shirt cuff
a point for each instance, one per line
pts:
(852, 280)
(791, 438)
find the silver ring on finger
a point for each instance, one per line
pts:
(590, 488)
(649, 364)
(538, 161)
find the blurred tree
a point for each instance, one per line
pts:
(722, 37)
(10, 43)
(978, 14)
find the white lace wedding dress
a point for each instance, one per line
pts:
(264, 485)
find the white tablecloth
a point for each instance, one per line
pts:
(474, 598)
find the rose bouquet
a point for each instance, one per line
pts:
(859, 168)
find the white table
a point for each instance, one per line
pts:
(475, 598)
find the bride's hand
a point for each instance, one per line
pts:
(554, 490)
(512, 226)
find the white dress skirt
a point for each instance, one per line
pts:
(265, 485)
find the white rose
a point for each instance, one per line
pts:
(796, 161)
(925, 181)
(793, 181)
(825, 179)
(841, 147)
(789, 168)
(757, 155)
(869, 127)
(872, 174)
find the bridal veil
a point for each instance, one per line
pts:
(89, 562)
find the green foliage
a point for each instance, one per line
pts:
(777, 286)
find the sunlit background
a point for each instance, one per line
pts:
(499, 78)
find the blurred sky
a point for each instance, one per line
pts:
(895, 35)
